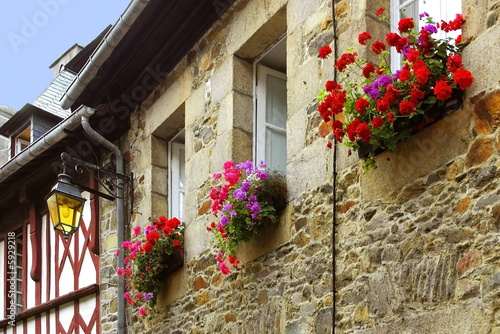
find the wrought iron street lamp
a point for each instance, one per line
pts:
(65, 205)
(65, 202)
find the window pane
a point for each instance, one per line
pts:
(275, 150)
(276, 101)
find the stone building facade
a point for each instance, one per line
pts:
(416, 241)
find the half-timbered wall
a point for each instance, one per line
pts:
(60, 279)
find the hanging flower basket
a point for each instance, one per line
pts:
(378, 109)
(248, 198)
(149, 260)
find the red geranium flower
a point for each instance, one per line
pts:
(351, 129)
(422, 74)
(148, 247)
(382, 105)
(363, 37)
(369, 68)
(454, 63)
(176, 243)
(361, 105)
(377, 122)
(390, 117)
(380, 11)
(458, 40)
(364, 132)
(153, 236)
(406, 24)
(442, 90)
(392, 38)
(416, 95)
(332, 86)
(378, 47)
(325, 51)
(412, 55)
(463, 78)
(406, 108)
(404, 75)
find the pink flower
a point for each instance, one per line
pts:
(139, 295)
(219, 257)
(119, 271)
(217, 176)
(126, 295)
(133, 255)
(137, 230)
(142, 311)
(117, 252)
(224, 268)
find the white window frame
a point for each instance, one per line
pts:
(260, 113)
(174, 189)
(448, 7)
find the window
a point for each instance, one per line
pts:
(21, 141)
(271, 108)
(439, 10)
(177, 176)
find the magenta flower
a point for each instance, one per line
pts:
(224, 268)
(126, 295)
(217, 176)
(119, 271)
(142, 311)
(219, 257)
(139, 295)
(117, 252)
(137, 230)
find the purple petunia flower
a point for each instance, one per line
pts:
(396, 75)
(421, 15)
(384, 80)
(372, 90)
(224, 220)
(148, 296)
(245, 186)
(239, 194)
(431, 29)
(227, 207)
(233, 214)
(255, 207)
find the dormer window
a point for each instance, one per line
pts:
(22, 141)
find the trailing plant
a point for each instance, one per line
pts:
(147, 260)
(248, 197)
(375, 106)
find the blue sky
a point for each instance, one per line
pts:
(34, 33)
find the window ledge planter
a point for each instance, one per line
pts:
(371, 106)
(243, 205)
(432, 114)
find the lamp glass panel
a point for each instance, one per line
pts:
(54, 211)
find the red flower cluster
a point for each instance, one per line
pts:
(378, 47)
(453, 25)
(332, 104)
(325, 51)
(381, 96)
(406, 24)
(345, 59)
(363, 37)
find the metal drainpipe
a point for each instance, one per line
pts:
(334, 228)
(120, 213)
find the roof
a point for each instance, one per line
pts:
(163, 33)
(49, 100)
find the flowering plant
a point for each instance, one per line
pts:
(383, 108)
(148, 258)
(242, 204)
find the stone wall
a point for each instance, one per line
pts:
(416, 241)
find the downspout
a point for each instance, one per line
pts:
(120, 212)
(334, 228)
